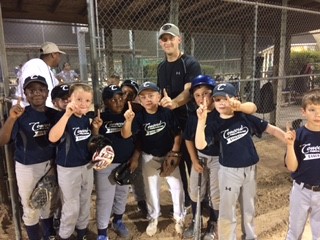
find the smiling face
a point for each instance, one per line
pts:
(203, 92)
(312, 114)
(81, 95)
(36, 94)
(221, 104)
(170, 44)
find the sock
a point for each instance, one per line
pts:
(117, 217)
(47, 227)
(214, 215)
(102, 232)
(81, 233)
(33, 232)
(193, 209)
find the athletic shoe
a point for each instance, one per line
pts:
(52, 238)
(102, 237)
(179, 227)
(212, 231)
(152, 227)
(120, 228)
(189, 232)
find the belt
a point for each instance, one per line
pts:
(314, 188)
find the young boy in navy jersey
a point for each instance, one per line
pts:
(60, 96)
(202, 89)
(72, 132)
(303, 160)
(34, 154)
(159, 133)
(238, 158)
(112, 197)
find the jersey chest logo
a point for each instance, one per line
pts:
(39, 129)
(235, 134)
(310, 152)
(152, 129)
(81, 134)
(112, 127)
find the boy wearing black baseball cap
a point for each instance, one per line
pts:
(60, 96)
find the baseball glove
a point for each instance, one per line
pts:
(170, 163)
(46, 188)
(123, 175)
(103, 153)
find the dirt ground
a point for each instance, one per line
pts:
(272, 205)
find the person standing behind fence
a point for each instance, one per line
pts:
(50, 57)
(303, 160)
(67, 75)
(72, 132)
(175, 74)
(34, 155)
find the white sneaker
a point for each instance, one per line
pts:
(179, 227)
(152, 227)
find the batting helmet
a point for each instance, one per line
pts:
(123, 175)
(203, 80)
(131, 83)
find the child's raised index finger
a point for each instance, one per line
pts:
(205, 102)
(289, 126)
(165, 94)
(129, 106)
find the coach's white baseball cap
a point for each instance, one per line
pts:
(169, 28)
(50, 47)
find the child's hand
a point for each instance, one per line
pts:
(129, 114)
(166, 101)
(290, 134)
(71, 108)
(16, 110)
(198, 167)
(234, 103)
(202, 110)
(97, 121)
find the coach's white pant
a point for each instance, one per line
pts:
(152, 182)
(237, 184)
(76, 185)
(27, 178)
(303, 202)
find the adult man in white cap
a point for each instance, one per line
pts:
(50, 57)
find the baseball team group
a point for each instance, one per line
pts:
(186, 128)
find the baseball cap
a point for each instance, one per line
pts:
(34, 78)
(224, 89)
(60, 91)
(50, 47)
(148, 86)
(109, 92)
(169, 28)
(131, 83)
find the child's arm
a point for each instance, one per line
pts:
(5, 132)
(177, 143)
(200, 139)
(58, 129)
(247, 107)
(277, 132)
(291, 158)
(96, 124)
(129, 116)
(194, 156)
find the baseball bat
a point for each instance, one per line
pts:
(197, 222)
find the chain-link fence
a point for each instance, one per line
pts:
(246, 42)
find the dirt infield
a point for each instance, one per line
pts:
(272, 205)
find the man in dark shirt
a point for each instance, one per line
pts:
(175, 74)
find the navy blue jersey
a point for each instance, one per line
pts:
(235, 135)
(30, 134)
(212, 148)
(111, 128)
(156, 132)
(73, 146)
(307, 149)
(173, 76)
